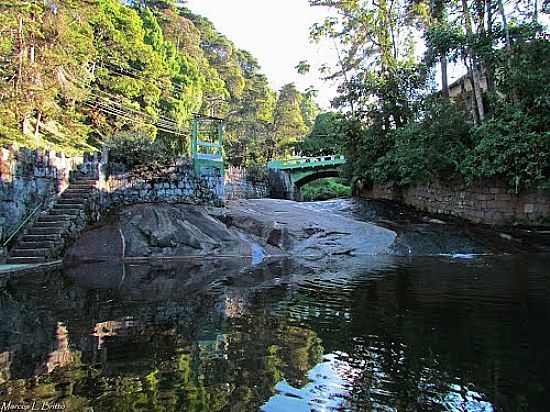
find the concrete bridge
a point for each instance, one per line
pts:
(303, 170)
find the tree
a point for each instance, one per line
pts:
(288, 123)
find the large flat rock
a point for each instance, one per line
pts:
(159, 230)
(248, 228)
(301, 229)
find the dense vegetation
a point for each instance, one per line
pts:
(323, 189)
(400, 130)
(75, 73)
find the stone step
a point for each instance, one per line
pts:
(36, 245)
(63, 224)
(30, 252)
(26, 259)
(82, 185)
(54, 218)
(63, 206)
(74, 195)
(63, 201)
(71, 212)
(54, 237)
(57, 230)
(72, 189)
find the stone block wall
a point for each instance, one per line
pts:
(177, 182)
(29, 178)
(489, 203)
(238, 184)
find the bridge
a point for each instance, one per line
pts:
(302, 170)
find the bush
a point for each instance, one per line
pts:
(324, 189)
(137, 150)
(510, 145)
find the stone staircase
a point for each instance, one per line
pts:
(45, 238)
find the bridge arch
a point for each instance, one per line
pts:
(321, 174)
(303, 170)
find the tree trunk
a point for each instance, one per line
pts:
(25, 124)
(487, 67)
(444, 76)
(20, 56)
(476, 78)
(504, 25)
(37, 126)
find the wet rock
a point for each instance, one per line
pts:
(262, 227)
(301, 229)
(159, 230)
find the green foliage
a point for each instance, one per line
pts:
(400, 131)
(510, 145)
(324, 189)
(84, 71)
(326, 136)
(136, 151)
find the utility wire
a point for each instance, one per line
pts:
(161, 121)
(132, 116)
(115, 113)
(135, 74)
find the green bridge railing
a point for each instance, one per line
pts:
(307, 162)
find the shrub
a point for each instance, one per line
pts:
(510, 145)
(324, 189)
(137, 150)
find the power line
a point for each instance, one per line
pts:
(130, 115)
(136, 75)
(119, 114)
(161, 120)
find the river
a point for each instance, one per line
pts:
(394, 332)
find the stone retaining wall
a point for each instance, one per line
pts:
(177, 182)
(29, 178)
(489, 203)
(239, 184)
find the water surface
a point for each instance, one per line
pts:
(384, 334)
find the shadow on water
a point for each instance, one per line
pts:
(377, 333)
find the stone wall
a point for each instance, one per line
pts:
(179, 181)
(31, 178)
(240, 184)
(489, 203)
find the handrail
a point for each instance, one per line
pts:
(300, 162)
(16, 231)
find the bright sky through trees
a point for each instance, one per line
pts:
(277, 33)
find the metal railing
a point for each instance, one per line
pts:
(22, 225)
(300, 162)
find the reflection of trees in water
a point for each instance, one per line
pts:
(127, 356)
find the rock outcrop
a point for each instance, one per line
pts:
(251, 228)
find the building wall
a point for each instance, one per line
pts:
(489, 203)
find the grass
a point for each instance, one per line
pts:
(51, 137)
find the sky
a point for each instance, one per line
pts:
(276, 32)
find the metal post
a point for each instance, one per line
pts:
(220, 137)
(195, 136)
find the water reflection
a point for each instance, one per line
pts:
(285, 335)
